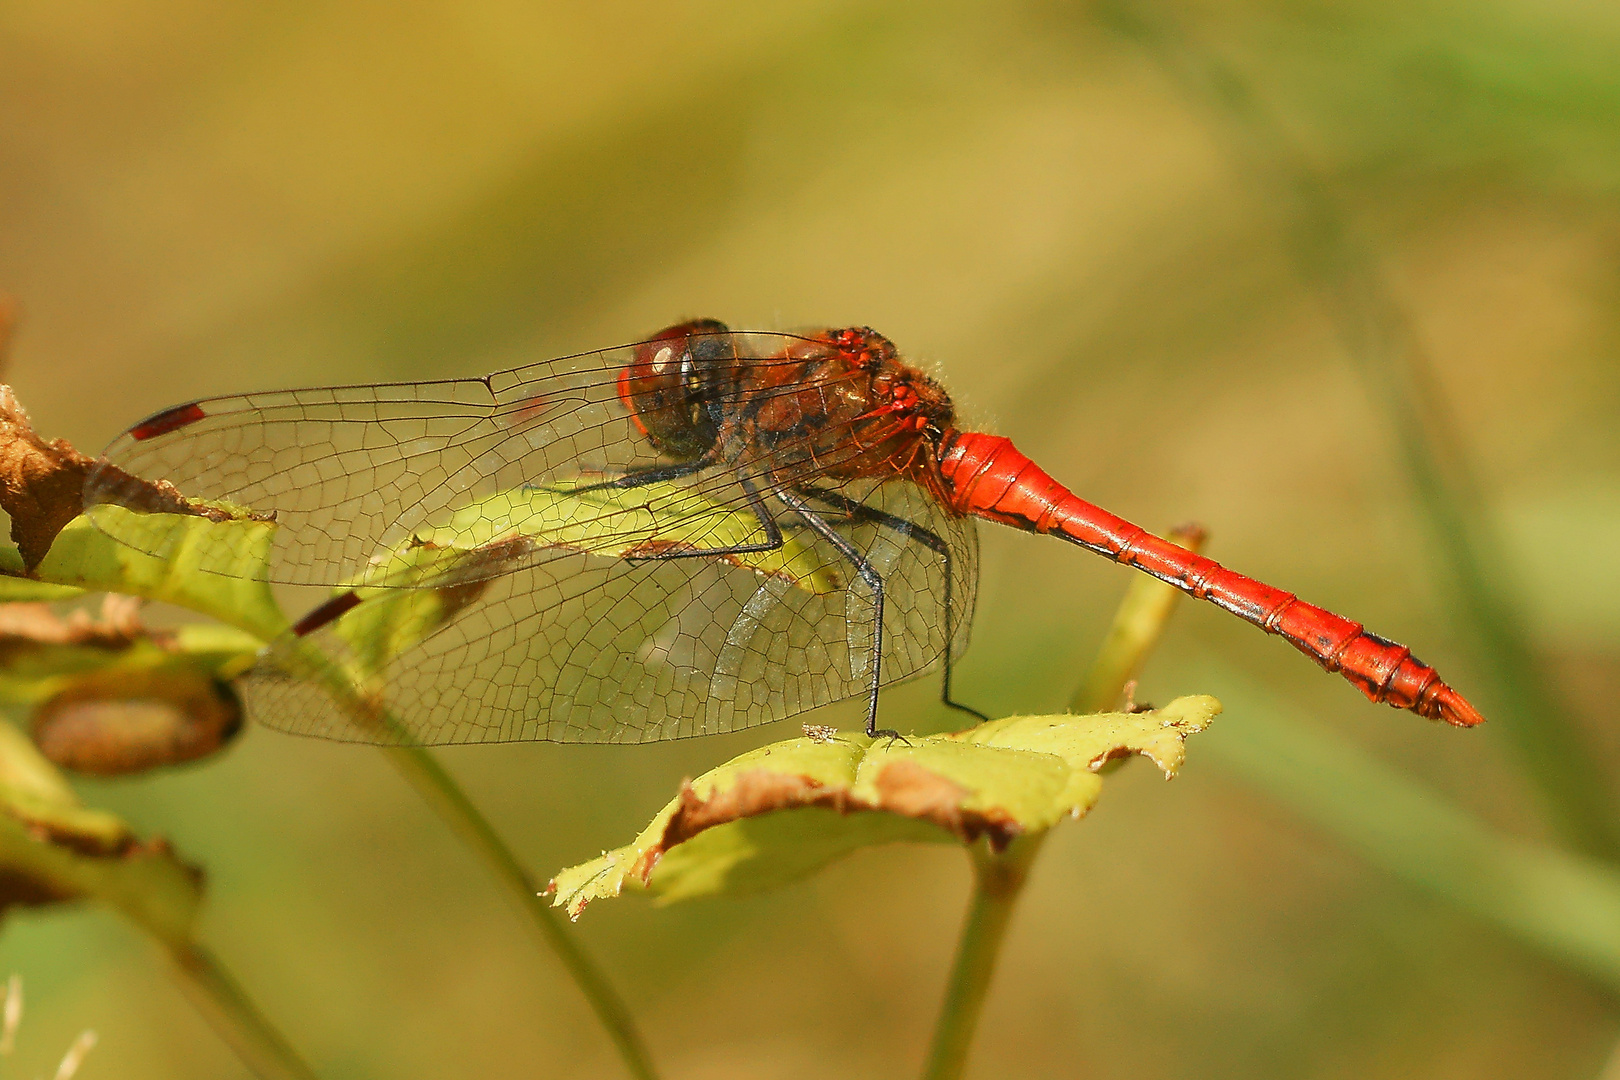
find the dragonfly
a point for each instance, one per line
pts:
(695, 533)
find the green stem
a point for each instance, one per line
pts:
(1378, 335)
(424, 773)
(227, 1008)
(147, 884)
(998, 879)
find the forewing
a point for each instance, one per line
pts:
(583, 647)
(501, 593)
(351, 474)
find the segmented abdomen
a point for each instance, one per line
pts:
(986, 476)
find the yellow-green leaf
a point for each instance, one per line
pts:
(653, 519)
(398, 612)
(34, 793)
(414, 590)
(780, 812)
(31, 672)
(233, 588)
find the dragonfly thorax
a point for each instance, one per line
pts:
(839, 400)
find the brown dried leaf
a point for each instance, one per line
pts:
(119, 625)
(42, 484)
(118, 722)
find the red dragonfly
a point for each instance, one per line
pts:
(696, 533)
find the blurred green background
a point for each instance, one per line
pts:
(1089, 218)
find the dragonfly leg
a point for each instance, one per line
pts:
(773, 534)
(868, 573)
(928, 539)
(656, 475)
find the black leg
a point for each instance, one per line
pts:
(656, 475)
(911, 531)
(773, 534)
(873, 580)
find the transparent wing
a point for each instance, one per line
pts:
(495, 592)
(580, 647)
(349, 472)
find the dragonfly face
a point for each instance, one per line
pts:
(674, 387)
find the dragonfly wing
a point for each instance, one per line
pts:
(349, 473)
(584, 647)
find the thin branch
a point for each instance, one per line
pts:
(424, 773)
(1138, 622)
(226, 1006)
(998, 877)
(998, 880)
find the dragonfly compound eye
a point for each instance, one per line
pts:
(673, 386)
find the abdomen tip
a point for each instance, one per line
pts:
(1454, 709)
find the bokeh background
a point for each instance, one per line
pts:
(1140, 238)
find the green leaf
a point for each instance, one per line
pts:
(626, 523)
(34, 793)
(15, 590)
(778, 813)
(233, 589)
(31, 672)
(220, 568)
(485, 537)
(760, 853)
(398, 612)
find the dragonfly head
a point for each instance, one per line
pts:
(672, 386)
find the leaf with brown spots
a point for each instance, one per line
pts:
(781, 812)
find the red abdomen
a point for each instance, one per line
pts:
(986, 476)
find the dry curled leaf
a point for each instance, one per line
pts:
(782, 811)
(24, 624)
(42, 484)
(111, 696)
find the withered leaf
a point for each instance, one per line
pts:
(42, 484)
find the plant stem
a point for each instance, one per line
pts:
(424, 773)
(160, 895)
(998, 879)
(1378, 335)
(227, 1008)
(1138, 622)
